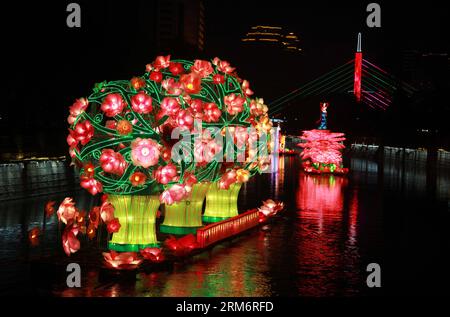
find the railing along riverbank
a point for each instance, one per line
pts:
(30, 178)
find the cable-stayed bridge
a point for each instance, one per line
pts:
(369, 83)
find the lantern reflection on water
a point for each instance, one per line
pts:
(327, 233)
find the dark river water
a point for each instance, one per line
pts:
(396, 215)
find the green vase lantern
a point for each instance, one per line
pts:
(221, 203)
(186, 216)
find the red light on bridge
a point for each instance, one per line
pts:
(358, 73)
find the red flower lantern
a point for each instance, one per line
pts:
(211, 113)
(124, 127)
(156, 76)
(223, 66)
(138, 179)
(165, 174)
(113, 226)
(185, 120)
(122, 260)
(234, 103)
(152, 254)
(112, 162)
(76, 109)
(92, 185)
(162, 62)
(202, 68)
(69, 239)
(83, 132)
(112, 105)
(141, 103)
(218, 79)
(137, 83)
(191, 83)
(176, 68)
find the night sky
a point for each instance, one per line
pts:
(47, 65)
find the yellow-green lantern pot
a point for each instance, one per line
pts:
(185, 216)
(137, 216)
(221, 204)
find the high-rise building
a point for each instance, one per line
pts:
(180, 23)
(274, 36)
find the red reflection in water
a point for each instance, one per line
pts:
(321, 197)
(324, 258)
(353, 217)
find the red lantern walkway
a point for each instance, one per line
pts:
(224, 229)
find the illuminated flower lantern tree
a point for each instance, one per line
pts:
(322, 148)
(158, 139)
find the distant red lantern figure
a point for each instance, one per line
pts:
(322, 148)
(33, 236)
(50, 208)
(137, 83)
(138, 179)
(124, 127)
